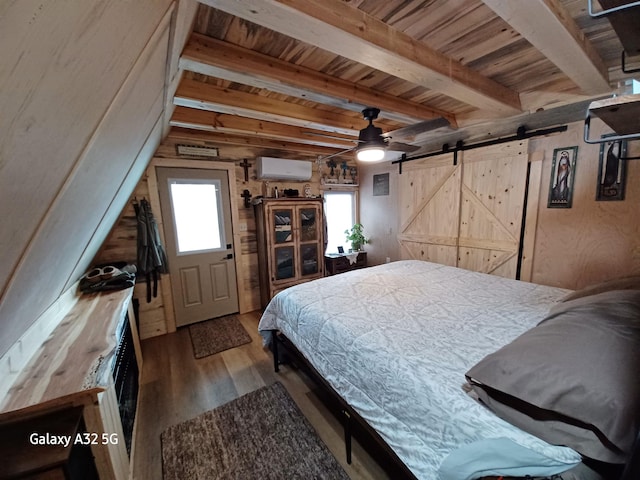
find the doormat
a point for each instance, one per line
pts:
(261, 435)
(216, 335)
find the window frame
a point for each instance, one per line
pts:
(355, 210)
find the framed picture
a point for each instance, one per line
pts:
(381, 184)
(340, 249)
(612, 170)
(563, 171)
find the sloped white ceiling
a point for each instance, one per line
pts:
(82, 100)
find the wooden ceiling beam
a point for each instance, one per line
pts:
(220, 59)
(335, 26)
(218, 138)
(550, 28)
(220, 122)
(205, 96)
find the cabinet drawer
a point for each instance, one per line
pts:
(340, 264)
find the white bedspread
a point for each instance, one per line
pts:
(396, 340)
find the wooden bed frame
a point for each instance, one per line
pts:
(354, 424)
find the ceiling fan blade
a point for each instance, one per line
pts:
(391, 155)
(411, 131)
(334, 137)
(402, 147)
(342, 152)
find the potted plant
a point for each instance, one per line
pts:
(356, 237)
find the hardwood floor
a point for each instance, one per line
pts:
(176, 387)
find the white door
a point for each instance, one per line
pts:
(196, 212)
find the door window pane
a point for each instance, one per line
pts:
(197, 216)
(340, 211)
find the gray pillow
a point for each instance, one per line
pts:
(623, 283)
(574, 378)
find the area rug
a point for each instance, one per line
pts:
(261, 435)
(216, 335)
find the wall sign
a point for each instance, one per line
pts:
(196, 151)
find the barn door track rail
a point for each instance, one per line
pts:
(521, 134)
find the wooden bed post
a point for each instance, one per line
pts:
(274, 350)
(347, 434)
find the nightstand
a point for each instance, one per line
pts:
(343, 262)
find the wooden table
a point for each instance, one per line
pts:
(343, 262)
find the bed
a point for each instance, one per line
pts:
(397, 343)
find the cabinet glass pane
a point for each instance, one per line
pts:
(284, 263)
(309, 256)
(308, 224)
(282, 224)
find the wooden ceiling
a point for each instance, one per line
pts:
(293, 76)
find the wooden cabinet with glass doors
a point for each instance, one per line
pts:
(290, 243)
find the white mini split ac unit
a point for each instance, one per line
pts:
(269, 168)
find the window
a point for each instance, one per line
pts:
(340, 211)
(195, 210)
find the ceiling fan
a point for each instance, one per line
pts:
(374, 145)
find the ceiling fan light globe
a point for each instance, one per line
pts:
(370, 154)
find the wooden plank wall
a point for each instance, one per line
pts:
(121, 242)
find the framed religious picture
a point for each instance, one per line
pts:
(563, 170)
(612, 170)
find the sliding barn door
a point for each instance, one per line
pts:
(493, 191)
(468, 215)
(429, 192)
